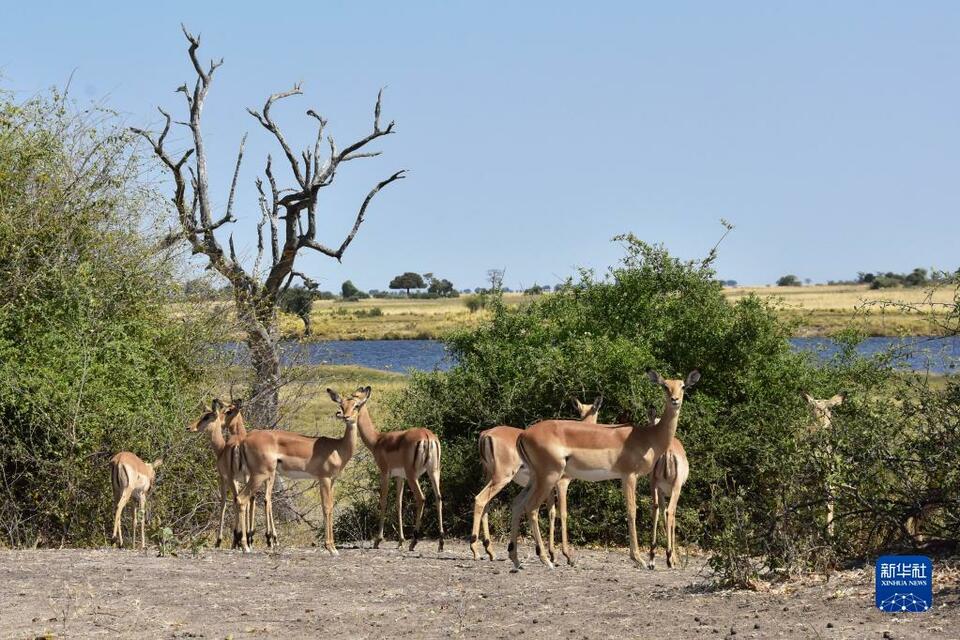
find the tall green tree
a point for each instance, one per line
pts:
(408, 280)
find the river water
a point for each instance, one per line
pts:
(938, 355)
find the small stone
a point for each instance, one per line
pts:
(829, 625)
(888, 635)
(733, 631)
(756, 625)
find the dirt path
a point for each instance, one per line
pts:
(387, 593)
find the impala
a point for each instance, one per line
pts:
(405, 455)
(501, 465)
(131, 476)
(264, 453)
(211, 423)
(670, 472)
(553, 449)
(822, 412)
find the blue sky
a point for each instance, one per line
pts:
(828, 133)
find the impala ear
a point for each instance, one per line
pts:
(365, 392)
(809, 398)
(216, 405)
(577, 404)
(597, 403)
(655, 377)
(837, 399)
(692, 378)
(157, 462)
(333, 395)
(238, 403)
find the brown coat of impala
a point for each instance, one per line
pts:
(405, 455)
(131, 477)
(553, 449)
(229, 482)
(263, 454)
(501, 465)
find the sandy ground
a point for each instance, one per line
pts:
(388, 593)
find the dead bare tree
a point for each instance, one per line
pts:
(256, 292)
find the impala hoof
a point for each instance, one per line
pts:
(440, 546)
(413, 544)
(376, 543)
(216, 545)
(333, 551)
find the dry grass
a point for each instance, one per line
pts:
(824, 309)
(817, 310)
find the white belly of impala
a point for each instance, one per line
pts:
(590, 475)
(296, 474)
(398, 472)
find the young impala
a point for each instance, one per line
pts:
(405, 455)
(822, 412)
(211, 423)
(264, 453)
(131, 476)
(553, 449)
(501, 465)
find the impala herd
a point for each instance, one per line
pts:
(542, 459)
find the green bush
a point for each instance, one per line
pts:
(756, 492)
(90, 361)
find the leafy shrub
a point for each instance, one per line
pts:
(756, 495)
(90, 361)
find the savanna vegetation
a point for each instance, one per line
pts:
(91, 363)
(101, 350)
(757, 494)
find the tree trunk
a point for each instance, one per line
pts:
(259, 322)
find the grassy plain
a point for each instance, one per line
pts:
(817, 310)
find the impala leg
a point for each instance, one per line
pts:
(655, 517)
(267, 514)
(400, 538)
(537, 496)
(562, 486)
(481, 505)
(223, 512)
(434, 474)
(487, 541)
(117, 526)
(671, 523)
(245, 496)
(142, 500)
(829, 511)
(551, 532)
(384, 490)
(516, 513)
(252, 519)
(629, 484)
(326, 494)
(133, 532)
(237, 489)
(419, 499)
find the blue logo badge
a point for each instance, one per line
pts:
(904, 583)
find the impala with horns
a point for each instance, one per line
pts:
(501, 465)
(131, 477)
(553, 449)
(230, 480)
(405, 455)
(262, 454)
